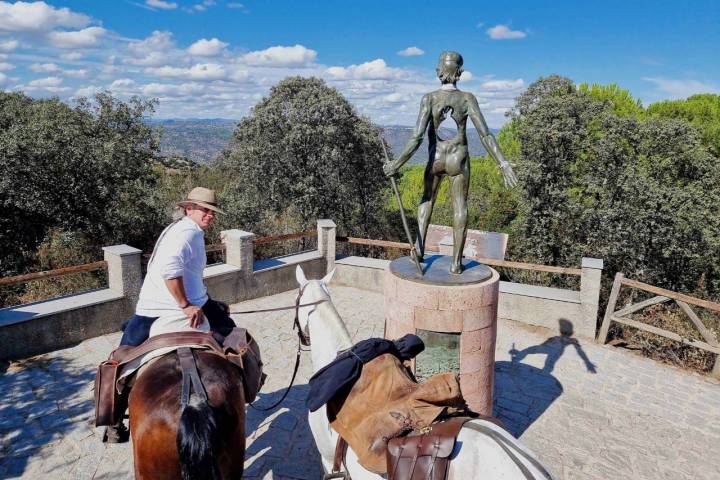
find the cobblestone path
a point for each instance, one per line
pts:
(588, 411)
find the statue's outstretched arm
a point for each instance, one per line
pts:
(489, 142)
(415, 141)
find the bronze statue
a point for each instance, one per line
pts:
(448, 157)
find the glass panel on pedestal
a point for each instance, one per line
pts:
(441, 354)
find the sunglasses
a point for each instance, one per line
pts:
(206, 211)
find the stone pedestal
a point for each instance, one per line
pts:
(413, 303)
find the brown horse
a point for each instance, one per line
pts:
(206, 440)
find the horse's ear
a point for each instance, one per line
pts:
(300, 276)
(326, 279)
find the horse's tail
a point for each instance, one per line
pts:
(197, 441)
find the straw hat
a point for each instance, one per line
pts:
(203, 197)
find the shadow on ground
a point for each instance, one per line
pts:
(524, 392)
(279, 441)
(44, 400)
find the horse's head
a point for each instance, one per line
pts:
(311, 291)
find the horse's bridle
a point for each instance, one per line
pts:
(303, 338)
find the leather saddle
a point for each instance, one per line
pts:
(386, 402)
(239, 347)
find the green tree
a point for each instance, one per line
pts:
(643, 195)
(304, 153)
(621, 100)
(701, 111)
(87, 168)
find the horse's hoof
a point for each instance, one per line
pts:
(116, 434)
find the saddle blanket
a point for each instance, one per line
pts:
(165, 324)
(342, 373)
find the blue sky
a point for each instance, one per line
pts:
(217, 58)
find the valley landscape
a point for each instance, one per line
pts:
(201, 140)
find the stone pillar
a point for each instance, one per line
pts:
(326, 242)
(470, 310)
(239, 249)
(589, 296)
(124, 273)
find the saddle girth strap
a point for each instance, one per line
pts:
(339, 461)
(190, 376)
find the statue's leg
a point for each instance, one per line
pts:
(430, 190)
(459, 188)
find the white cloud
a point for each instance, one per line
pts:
(45, 82)
(155, 50)
(207, 71)
(161, 5)
(4, 66)
(38, 17)
(166, 71)
(411, 52)
(502, 85)
(57, 89)
(279, 56)
(87, 37)
(466, 75)
(502, 32)
(200, 71)
(374, 70)
(172, 90)
(234, 5)
(9, 45)
(157, 41)
(79, 73)
(44, 67)
(122, 84)
(3, 78)
(151, 59)
(207, 48)
(88, 91)
(71, 56)
(681, 88)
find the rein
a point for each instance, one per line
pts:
(303, 340)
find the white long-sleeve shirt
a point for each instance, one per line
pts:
(179, 253)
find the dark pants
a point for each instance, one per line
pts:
(137, 329)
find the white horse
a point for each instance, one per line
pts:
(483, 449)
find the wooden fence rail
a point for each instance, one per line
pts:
(711, 343)
(488, 261)
(87, 267)
(219, 247)
(291, 236)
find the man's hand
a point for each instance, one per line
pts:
(194, 314)
(508, 175)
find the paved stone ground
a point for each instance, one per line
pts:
(588, 411)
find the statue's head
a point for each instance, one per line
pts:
(450, 67)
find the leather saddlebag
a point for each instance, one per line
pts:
(242, 349)
(106, 395)
(425, 456)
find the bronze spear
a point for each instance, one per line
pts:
(413, 252)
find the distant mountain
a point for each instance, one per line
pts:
(201, 140)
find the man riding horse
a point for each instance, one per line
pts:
(173, 289)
